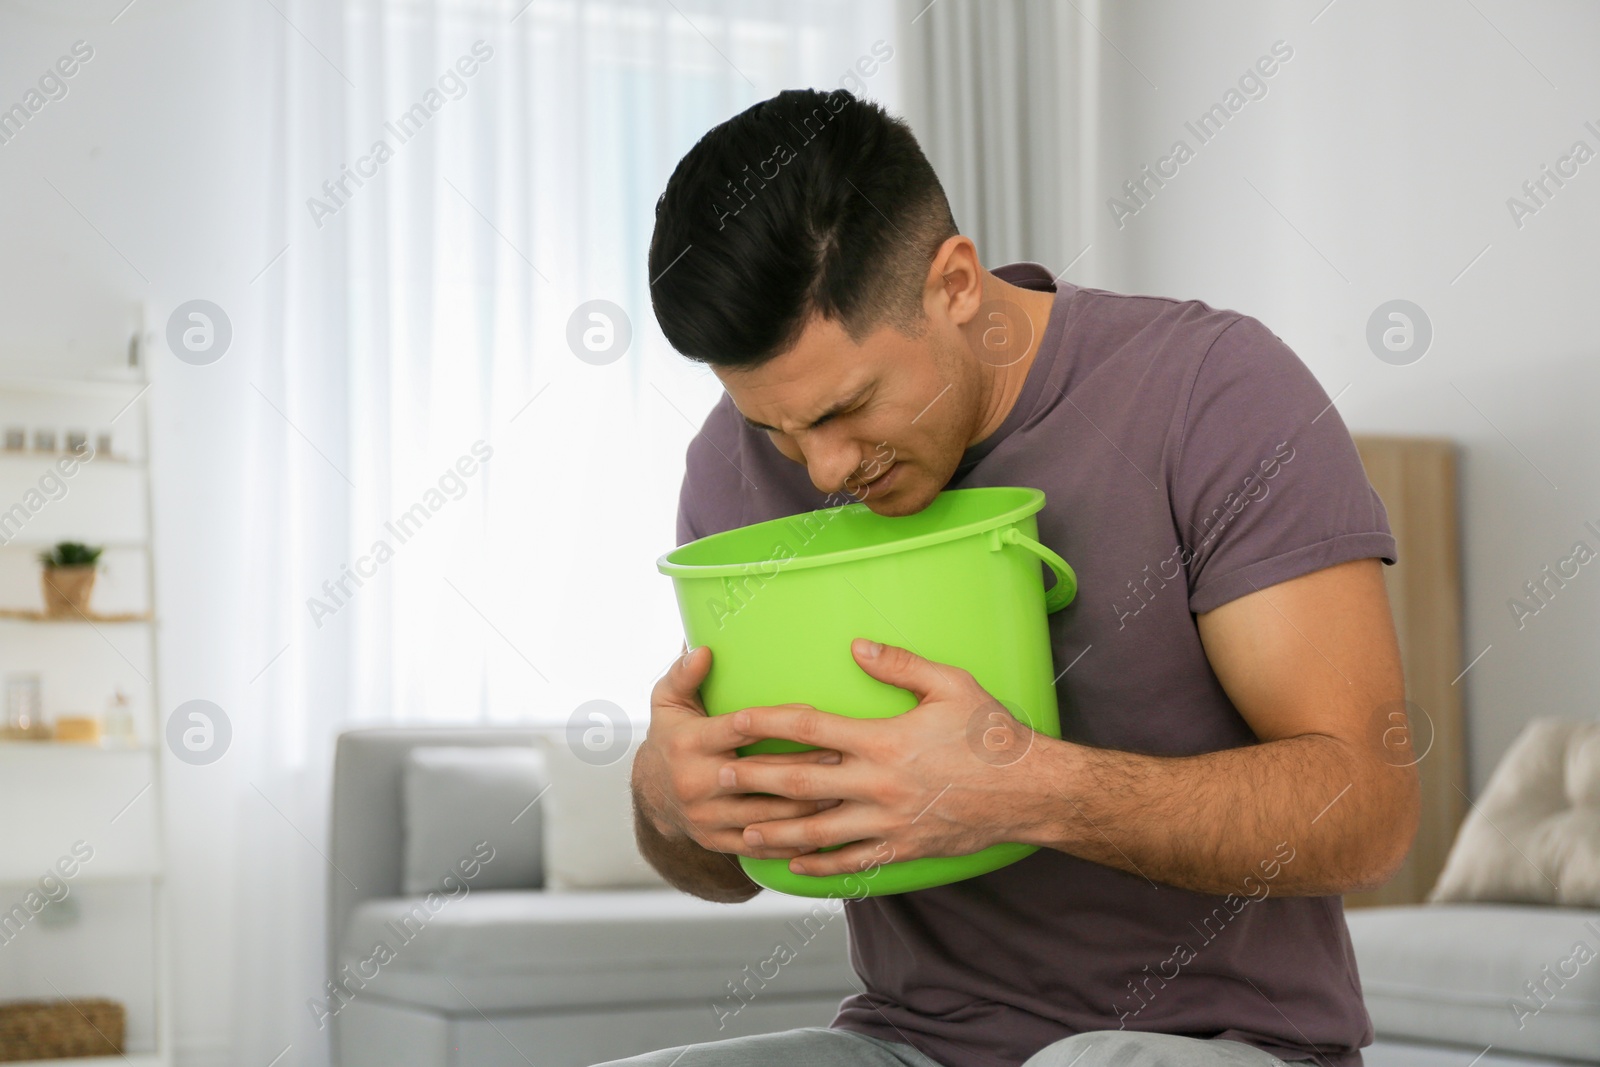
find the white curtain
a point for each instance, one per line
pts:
(1002, 96)
(421, 308)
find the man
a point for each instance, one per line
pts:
(1224, 771)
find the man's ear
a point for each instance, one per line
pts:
(953, 289)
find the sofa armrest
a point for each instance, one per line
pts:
(366, 837)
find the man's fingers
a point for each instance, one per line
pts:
(817, 831)
(862, 859)
(797, 781)
(731, 731)
(904, 669)
(691, 668)
(742, 811)
(815, 755)
(732, 843)
(731, 816)
(802, 723)
(680, 685)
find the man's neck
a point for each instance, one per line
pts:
(1003, 377)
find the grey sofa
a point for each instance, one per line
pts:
(1445, 983)
(1451, 980)
(504, 978)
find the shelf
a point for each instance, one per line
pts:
(107, 793)
(134, 1059)
(36, 547)
(27, 615)
(35, 456)
(9, 748)
(130, 880)
(98, 386)
(8, 744)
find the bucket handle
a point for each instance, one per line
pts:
(1059, 595)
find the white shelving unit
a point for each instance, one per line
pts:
(105, 936)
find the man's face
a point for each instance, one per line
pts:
(885, 421)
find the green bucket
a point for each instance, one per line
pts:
(958, 582)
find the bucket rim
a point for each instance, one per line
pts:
(1029, 503)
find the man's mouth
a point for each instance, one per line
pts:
(882, 483)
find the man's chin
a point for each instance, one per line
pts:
(893, 509)
(906, 499)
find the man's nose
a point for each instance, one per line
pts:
(831, 464)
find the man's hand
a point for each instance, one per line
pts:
(930, 782)
(675, 770)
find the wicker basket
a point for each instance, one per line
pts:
(58, 1029)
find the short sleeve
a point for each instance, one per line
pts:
(691, 494)
(710, 499)
(1267, 484)
(686, 531)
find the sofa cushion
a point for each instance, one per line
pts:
(473, 803)
(1534, 835)
(1418, 1054)
(508, 950)
(1521, 978)
(589, 842)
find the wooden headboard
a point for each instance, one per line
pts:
(1416, 478)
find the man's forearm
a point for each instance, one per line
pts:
(1208, 822)
(687, 866)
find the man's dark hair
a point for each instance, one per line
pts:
(809, 203)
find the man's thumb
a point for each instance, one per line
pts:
(897, 666)
(690, 669)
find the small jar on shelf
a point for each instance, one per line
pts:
(24, 709)
(119, 728)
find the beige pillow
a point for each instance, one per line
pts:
(1534, 835)
(588, 827)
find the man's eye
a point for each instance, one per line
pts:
(836, 414)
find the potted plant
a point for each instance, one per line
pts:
(68, 577)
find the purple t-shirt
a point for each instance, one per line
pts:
(1187, 458)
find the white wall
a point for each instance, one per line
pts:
(160, 143)
(1390, 142)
